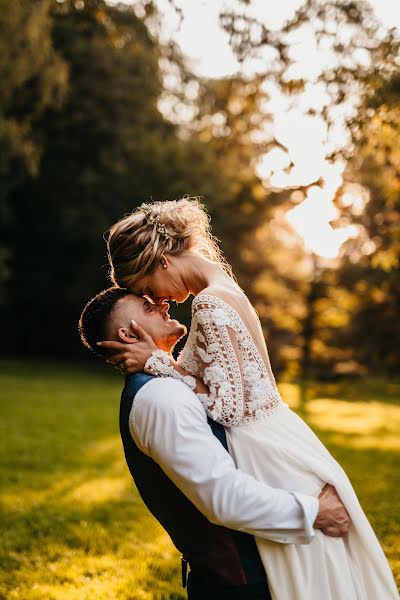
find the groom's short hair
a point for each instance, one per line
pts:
(93, 320)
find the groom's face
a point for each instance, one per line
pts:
(154, 319)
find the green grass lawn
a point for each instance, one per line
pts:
(72, 525)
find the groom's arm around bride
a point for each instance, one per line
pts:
(186, 477)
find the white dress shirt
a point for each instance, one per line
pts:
(169, 424)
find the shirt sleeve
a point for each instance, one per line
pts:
(168, 423)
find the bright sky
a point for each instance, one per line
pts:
(203, 41)
(306, 138)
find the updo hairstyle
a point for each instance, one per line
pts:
(136, 243)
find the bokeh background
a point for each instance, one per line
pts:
(284, 118)
(292, 143)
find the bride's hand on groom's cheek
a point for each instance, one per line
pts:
(131, 357)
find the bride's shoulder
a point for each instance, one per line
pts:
(218, 293)
(218, 299)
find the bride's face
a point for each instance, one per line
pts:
(163, 283)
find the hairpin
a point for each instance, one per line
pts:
(154, 220)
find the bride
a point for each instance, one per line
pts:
(165, 250)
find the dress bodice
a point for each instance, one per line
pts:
(221, 351)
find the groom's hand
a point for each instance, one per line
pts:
(332, 518)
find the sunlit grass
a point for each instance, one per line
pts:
(355, 418)
(72, 525)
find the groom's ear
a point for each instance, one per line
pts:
(126, 335)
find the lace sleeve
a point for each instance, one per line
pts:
(218, 357)
(216, 361)
(160, 365)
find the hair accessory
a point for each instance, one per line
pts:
(154, 220)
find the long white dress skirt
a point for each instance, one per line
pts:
(283, 451)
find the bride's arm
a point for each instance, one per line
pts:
(143, 355)
(162, 364)
(217, 356)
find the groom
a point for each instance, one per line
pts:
(179, 461)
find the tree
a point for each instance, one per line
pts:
(33, 78)
(363, 58)
(103, 151)
(371, 270)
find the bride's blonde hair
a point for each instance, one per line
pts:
(136, 243)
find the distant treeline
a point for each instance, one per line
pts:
(83, 142)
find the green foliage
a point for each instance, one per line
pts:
(83, 142)
(229, 113)
(345, 318)
(33, 78)
(57, 219)
(73, 526)
(106, 149)
(360, 49)
(374, 277)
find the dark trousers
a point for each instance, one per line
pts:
(198, 590)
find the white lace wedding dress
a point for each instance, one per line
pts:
(226, 349)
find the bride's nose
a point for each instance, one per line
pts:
(163, 308)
